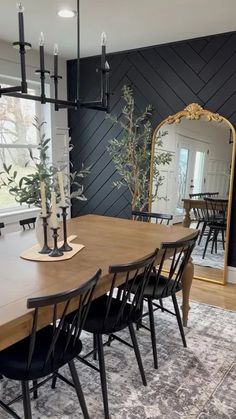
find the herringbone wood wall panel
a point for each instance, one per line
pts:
(169, 77)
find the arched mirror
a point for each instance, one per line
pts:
(195, 182)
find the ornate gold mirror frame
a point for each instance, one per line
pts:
(195, 112)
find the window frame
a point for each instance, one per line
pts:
(43, 113)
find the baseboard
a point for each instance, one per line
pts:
(231, 275)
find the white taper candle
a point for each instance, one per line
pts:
(61, 187)
(54, 210)
(43, 199)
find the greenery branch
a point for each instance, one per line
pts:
(26, 189)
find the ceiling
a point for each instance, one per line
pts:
(128, 23)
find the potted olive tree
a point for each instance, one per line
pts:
(131, 153)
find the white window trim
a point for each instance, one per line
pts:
(13, 213)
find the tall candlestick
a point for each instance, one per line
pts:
(41, 51)
(20, 9)
(55, 52)
(103, 56)
(43, 199)
(54, 210)
(61, 187)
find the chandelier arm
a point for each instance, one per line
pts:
(64, 103)
(21, 91)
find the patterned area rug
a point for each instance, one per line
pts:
(214, 260)
(194, 383)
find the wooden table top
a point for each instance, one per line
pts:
(107, 241)
(189, 203)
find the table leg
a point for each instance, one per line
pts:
(187, 283)
(187, 219)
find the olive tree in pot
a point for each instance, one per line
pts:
(131, 153)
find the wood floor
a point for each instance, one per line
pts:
(218, 295)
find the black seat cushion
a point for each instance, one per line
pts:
(13, 360)
(165, 287)
(95, 319)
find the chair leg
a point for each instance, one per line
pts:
(103, 375)
(207, 241)
(161, 304)
(223, 239)
(78, 389)
(36, 390)
(179, 320)
(139, 323)
(153, 334)
(137, 353)
(26, 399)
(202, 232)
(94, 347)
(54, 380)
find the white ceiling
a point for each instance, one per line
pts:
(128, 23)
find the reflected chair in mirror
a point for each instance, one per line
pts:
(199, 213)
(116, 311)
(161, 286)
(149, 216)
(45, 351)
(216, 210)
(2, 225)
(28, 223)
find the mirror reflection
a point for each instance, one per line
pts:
(195, 183)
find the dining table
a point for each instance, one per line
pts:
(191, 203)
(106, 240)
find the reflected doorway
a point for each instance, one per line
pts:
(192, 162)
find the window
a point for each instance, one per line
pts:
(17, 136)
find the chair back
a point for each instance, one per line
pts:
(2, 225)
(196, 195)
(212, 194)
(28, 223)
(124, 303)
(216, 210)
(180, 252)
(60, 305)
(149, 216)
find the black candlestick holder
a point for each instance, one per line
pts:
(45, 249)
(55, 252)
(65, 247)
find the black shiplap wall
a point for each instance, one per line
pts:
(169, 77)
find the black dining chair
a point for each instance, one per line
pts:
(161, 286)
(28, 223)
(216, 211)
(2, 225)
(116, 311)
(148, 216)
(47, 350)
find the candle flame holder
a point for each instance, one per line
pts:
(65, 247)
(55, 252)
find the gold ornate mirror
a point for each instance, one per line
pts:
(197, 182)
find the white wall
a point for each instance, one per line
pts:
(58, 129)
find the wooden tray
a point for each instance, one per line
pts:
(33, 255)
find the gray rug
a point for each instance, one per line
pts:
(214, 260)
(194, 383)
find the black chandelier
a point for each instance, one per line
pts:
(21, 91)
